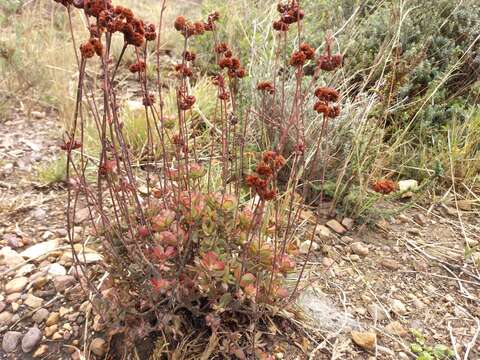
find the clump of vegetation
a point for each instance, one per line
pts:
(423, 351)
(198, 236)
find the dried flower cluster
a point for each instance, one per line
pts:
(290, 13)
(227, 61)
(384, 186)
(262, 182)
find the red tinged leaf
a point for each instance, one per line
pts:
(211, 262)
(161, 285)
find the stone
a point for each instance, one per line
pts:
(359, 248)
(354, 257)
(398, 307)
(98, 347)
(57, 270)
(407, 185)
(50, 330)
(377, 312)
(390, 264)
(3, 305)
(10, 258)
(365, 339)
(31, 339)
(26, 269)
(11, 340)
(16, 285)
(39, 282)
(6, 318)
(57, 336)
(40, 249)
(396, 328)
(465, 205)
(61, 283)
(40, 315)
(328, 262)
(306, 245)
(33, 301)
(52, 319)
(336, 226)
(348, 223)
(41, 351)
(15, 306)
(420, 219)
(82, 215)
(323, 232)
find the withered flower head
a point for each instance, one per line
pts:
(330, 63)
(266, 86)
(87, 50)
(150, 33)
(327, 110)
(327, 94)
(221, 48)
(280, 26)
(298, 58)
(384, 186)
(187, 102)
(139, 66)
(308, 51)
(189, 56)
(180, 23)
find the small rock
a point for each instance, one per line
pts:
(31, 339)
(61, 283)
(328, 262)
(420, 219)
(398, 307)
(5, 318)
(15, 306)
(39, 282)
(414, 231)
(33, 301)
(38, 115)
(57, 270)
(348, 223)
(377, 312)
(26, 269)
(98, 346)
(354, 257)
(40, 315)
(64, 311)
(10, 258)
(57, 336)
(359, 248)
(336, 226)
(39, 214)
(347, 239)
(306, 245)
(396, 328)
(3, 305)
(16, 285)
(366, 340)
(41, 351)
(11, 340)
(52, 319)
(50, 330)
(323, 232)
(40, 249)
(82, 215)
(418, 304)
(390, 264)
(402, 356)
(465, 205)
(407, 185)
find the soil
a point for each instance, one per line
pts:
(416, 270)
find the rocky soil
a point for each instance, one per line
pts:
(368, 287)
